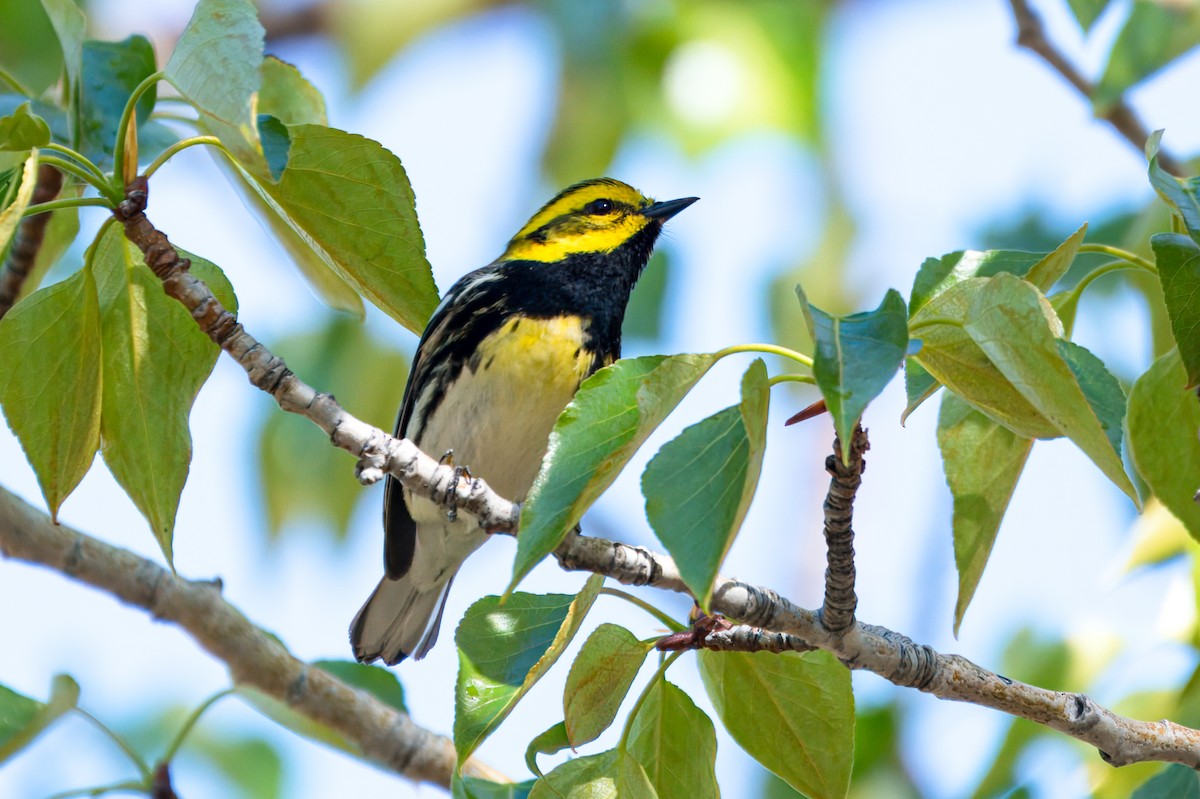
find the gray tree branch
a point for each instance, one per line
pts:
(384, 735)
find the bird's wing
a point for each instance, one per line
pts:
(429, 364)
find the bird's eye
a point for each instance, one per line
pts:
(599, 207)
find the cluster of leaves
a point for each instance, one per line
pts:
(123, 365)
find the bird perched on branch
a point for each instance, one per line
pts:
(499, 360)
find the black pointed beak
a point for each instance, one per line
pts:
(665, 210)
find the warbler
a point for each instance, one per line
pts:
(501, 357)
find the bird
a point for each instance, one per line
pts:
(501, 357)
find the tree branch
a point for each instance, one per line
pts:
(28, 240)
(1032, 36)
(889, 654)
(384, 735)
(837, 612)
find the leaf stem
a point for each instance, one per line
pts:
(126, 115)
(72, 168)
(133, 756)
(128, 786)
(80, 158)
(641, 700)
(670, 623)
(200, 710)
(1117, 252)
(65, 202)
(5, 77)
(770, 349)
(777, 379)
(1099, 271)
(178, 147)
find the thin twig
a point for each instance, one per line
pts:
(1032, 35)
(837, 612)
(28, 239)
(385, 736)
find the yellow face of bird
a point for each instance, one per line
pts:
(595, 216)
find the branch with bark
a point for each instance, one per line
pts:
(1031, 35)
(28, 239)
(384, 735)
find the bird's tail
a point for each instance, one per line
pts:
(399, 620)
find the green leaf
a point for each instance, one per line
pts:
(286, 95)
(938, 275)
(598, 681)
(50, 382)
(1102, 391)
(22, 719)
(953, 358)
(1182, 194)
(350, 200)
(595, 436)
(1087, 11)
(1178, 259)
(699, 486)
(378, 682)
(1046, 272)
(10, 216)
(23, 130)
(301, 477)
(503, 649)
(919, 386)
(29, 49)
(1173, 782)
(476, 788)
(1154, 34)
(609, 775)
(792, 713)
(276, 144)
(856, 357)
(983, 461)
(216, 66)
(155, 360)
(250, 764)
(328, 285)
(69, 24)
(1164, 434)
(549, 742)
(1012, 323)
(676, 744)
(111, 71)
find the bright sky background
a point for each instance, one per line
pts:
(939, 125)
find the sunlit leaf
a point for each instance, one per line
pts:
(155, 360)
(1154, 34)
(856, 357)
(1013, 324)
(476, 788)
(595, 436)
(10, 214)
(22, 719)
(792, 713)
(1178, 259)
(1181, 194)
(23, 130)
(548, 742)
(699, 486)
(599, 678)
(676, 744)
(1046, 272)
(50, 358)
(29, 48)
(609, 775)
(1164, 434)
(503, 649)
(982, 461)
(288, 96)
